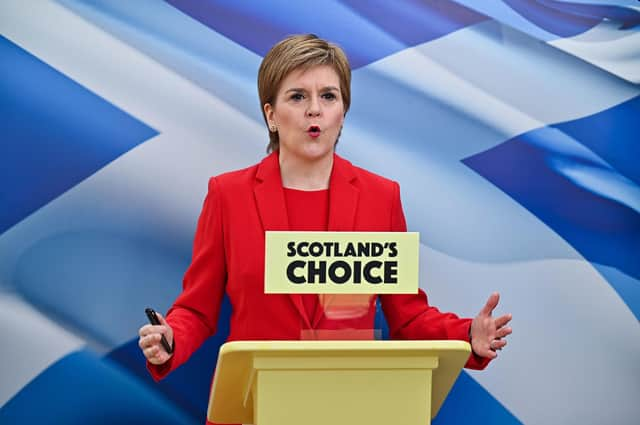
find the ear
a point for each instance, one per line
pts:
(268, 112)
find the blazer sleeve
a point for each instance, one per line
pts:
(411, 317)
(194, 315)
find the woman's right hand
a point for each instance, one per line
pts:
(149, 341)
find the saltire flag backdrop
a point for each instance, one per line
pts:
(512, 126)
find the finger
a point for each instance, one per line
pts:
(484, 350)
(150, 340)
(491, 354)
(146, 342)
(498, 344)
(152, 329)
(492, 303)
(150, 352)
(159, 358)
(162, 319)
(143, 342)
(156, 329)
(145, 330)
(503, 320)
(502, 332)
(156, 355)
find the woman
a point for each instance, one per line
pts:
(304, 88)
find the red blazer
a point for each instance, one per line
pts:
(228, 255)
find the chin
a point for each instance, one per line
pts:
(315, 154)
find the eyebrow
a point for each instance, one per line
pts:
(327, 88)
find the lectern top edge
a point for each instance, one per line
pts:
(332, 346)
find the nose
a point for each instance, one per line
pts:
(314, 107)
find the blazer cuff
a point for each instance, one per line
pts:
(158, 372)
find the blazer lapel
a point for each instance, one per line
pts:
(272, 209)
(343, 203)
(270, 195)
(343, 196)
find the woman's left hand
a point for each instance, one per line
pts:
(487, 333)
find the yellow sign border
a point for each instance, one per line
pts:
(391, 257)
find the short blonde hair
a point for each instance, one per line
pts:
(299, 52)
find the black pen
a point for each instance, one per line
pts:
(153, 318)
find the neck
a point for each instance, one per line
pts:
(305, 175)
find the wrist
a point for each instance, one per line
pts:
(471, 341)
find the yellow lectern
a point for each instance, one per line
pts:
(334, 382)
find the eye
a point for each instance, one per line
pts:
(296, 96)
(329, 96)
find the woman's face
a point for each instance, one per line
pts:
(308, 113)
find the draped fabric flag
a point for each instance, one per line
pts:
(512, 127)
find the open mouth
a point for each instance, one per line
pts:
(314, 131)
